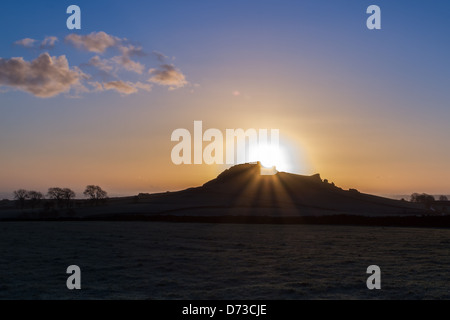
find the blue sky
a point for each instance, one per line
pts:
(367, 109)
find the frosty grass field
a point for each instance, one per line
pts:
(148, 260)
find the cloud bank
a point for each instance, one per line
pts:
(117, 65)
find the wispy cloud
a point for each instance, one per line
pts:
(43, 77)
(160, 56)
(48, 42)
(101, 64)
(128, 64)
(97, 42)
(120, 86)
(97, 86)
(125, 61)
(132, 51)
(27, 42)
(168, 75)
(143, 86)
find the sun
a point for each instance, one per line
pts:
(268, 155)
(271, 156)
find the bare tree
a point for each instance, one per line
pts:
(21, 195)
(55, 193)
(95, 193)
(68, 195)
(35, 198)
(443, 198)
(61, 196)
(423, 198)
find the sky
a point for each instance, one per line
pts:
(367, 109)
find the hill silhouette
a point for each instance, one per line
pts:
(240, 192)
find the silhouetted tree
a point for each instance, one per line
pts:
(68, 195)
(21, 195)
(443, 198)
(35, 198)
(56, 194)
(423, 198)
(62, 197)
(95, 193)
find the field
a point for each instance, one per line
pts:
(154, 260)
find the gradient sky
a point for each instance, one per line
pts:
(365, 109)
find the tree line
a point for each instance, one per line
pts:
(60, 197)
(426, 199)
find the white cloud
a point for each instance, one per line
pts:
(48, 76)
(43, 77)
